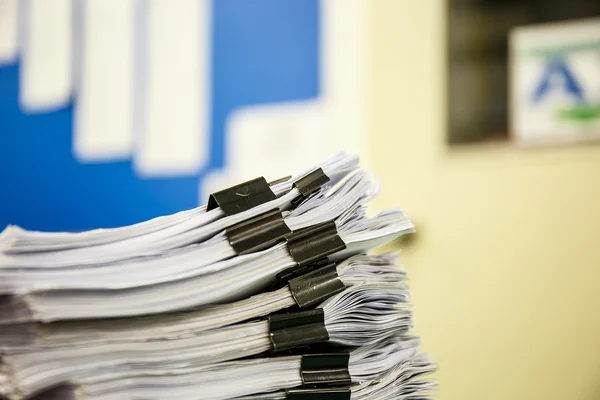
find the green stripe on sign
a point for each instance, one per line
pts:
(561, 50)
(580, 113)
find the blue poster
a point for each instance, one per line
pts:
(260, 51)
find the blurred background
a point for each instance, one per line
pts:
(480, 117)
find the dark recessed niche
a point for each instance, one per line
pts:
(477, 45)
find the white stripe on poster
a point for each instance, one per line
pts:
(176, 109)
(8, 30)
(105, 104)
(46, 64)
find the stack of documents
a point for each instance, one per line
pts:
(265, 292)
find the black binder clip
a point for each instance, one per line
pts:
(304, 328)
(310, 244)
(309, 184)
(287, 275)
(318, 394)
(315, 348)
(316, 286)
(325, 369)
(241, 197)
(257, 233)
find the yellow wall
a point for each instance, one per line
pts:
(505, 268)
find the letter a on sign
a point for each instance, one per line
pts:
(558, 74)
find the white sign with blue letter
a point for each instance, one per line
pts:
(555, 82)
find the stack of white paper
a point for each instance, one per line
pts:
(356, 270)
(175, 306)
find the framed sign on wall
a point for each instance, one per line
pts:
(555, 82)
(485, 103)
